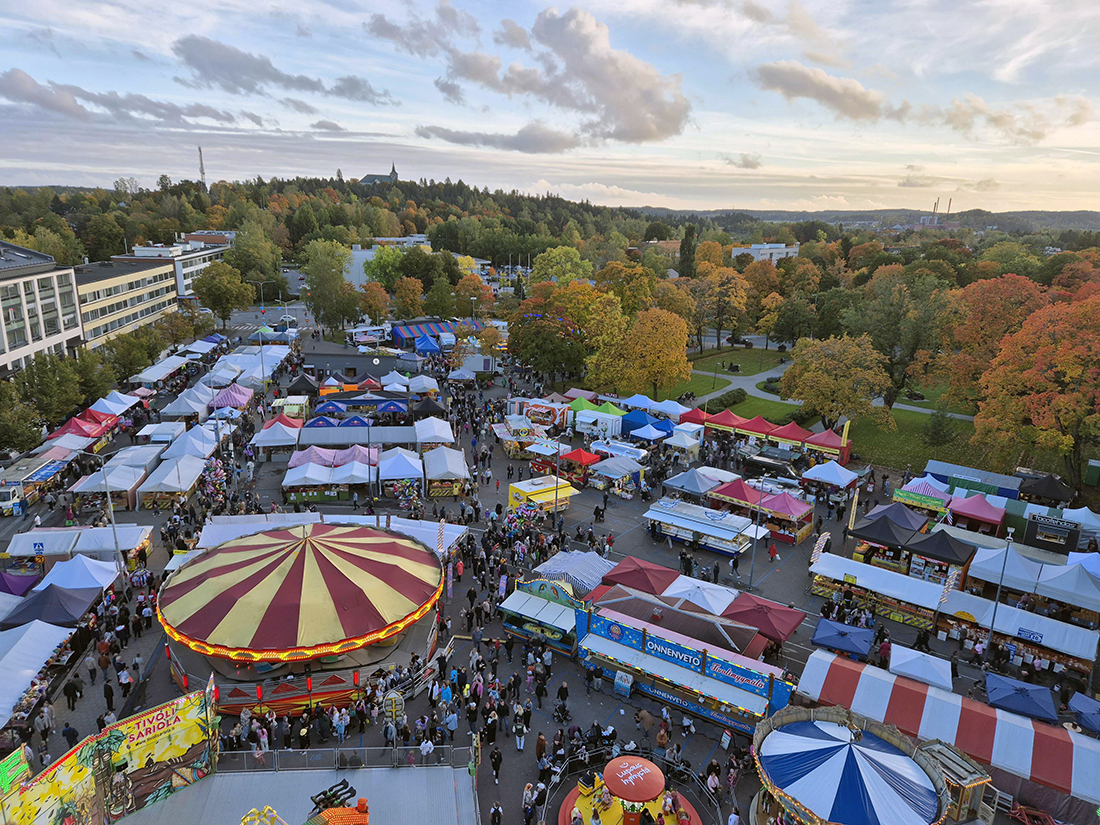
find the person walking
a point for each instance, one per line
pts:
(520, 731)
(70, 690)
(355, 501)
(90, 666)
(735, 561)
(496, 759)
(109, 695)
(773, 553)
(70, 734)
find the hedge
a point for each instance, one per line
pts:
(729, 399)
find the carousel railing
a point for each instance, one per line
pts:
(342, 758)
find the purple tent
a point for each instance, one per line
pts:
(16, 585)
(232, 396)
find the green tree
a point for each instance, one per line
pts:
(687, 253)
(103, 237)
(657, 231)
(561, 264)
(552, 344)
(94, 375)
(64, 247)
(19, 427)
(795, 319)
(126, 355)
(1013, 258)
(654, 352)
(440, 300)
(408, 298)
(331, 298)
(302, 225)
(385, 267)
(51, 384)
(221, 290)
(257, 258)
(939, 427)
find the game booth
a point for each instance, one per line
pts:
(542, 610)
(321, 596)
(620, 475)
(576, 465)
(548, 493)
(446, 471)
(788, 518)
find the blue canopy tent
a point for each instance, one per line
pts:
(355, 421)
(636, 420)
(1019, 697)
(390, 406)
(664, 425)
(847, 778)
(426, 345)
(321, 421)
(843, 638)
(214, 338)
(692, 482)
(331, 408)
(1087, 711)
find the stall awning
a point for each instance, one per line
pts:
(80, 572)
(976, 507)
(702, 685)
(551, 614)
(989, 563)
(23, 652)
(941, 546)
(1047, 754)
(830, 473)
(547, 496)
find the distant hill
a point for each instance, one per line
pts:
(1014, 221)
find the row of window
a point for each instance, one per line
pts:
(119, 306)
(118, 289)
(126, 320)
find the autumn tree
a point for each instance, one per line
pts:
(981, 315)
(51, 384)
(800, 277)
(331, 299)
(762, 279)
(795, 319)
(728, 297)
(472, 296)
(654, 352)
(674, 297)
(709, 252)
(550, 343)
(221, 290)
(561, 264)
(1042, 391)
(903, 317)
(489, 338)
(374, 302)
(632, 285)
(837, 378)
(408, 298)
(769, 315)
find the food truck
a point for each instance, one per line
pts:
(716, 530)
(548, 493)
(540, 607)
(22, 483)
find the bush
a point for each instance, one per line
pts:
(729, 399)
(781, 348)
(801, 417)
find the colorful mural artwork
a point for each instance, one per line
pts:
(131, 764)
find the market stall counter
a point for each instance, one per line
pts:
(544, 492)
(546, 609)
(700, 526)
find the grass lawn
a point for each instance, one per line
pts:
(699, 384)
(771, 410)
(904, 446)
(932, 396)
(771, 389)
(752, 361)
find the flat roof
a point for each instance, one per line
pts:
(18, 260)
(105, 270)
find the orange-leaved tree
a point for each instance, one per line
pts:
(654, 351)
(1042, 391)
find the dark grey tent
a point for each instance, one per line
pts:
(302, 385)
(429, 406)
(53, 604)
(1047, 487)
(941, 546)
(882, 532)
(898, 513)
(691, 482)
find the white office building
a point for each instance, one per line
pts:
(768, 251)
(190, 257)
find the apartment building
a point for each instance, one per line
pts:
(189, 257)
(38, 303)
(121, 296)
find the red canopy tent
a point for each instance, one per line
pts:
(695, 416)
(97, 417)
(772, 619)
(789, 434)
(369, 383)
(976, 508)
(641, 575)
(737, 491)
(77, 426)
(832, 444)
(757, 426)
(724, 420)
(581, 456)
(296, 423)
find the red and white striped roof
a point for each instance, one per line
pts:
(1047, 754)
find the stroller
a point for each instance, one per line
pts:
(562, 714)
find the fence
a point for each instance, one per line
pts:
(342, 759)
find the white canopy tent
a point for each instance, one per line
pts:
(636, 401)
(177, 475)
(1070, 584)
(354, 472)
(433, 431)
(1019, 573)
(922, 667)
(461, 375)
(97, 542)
(80, 572)
(23, 651)
(445, 463)
(163, 433)
(682, 441)
(198, 441)
(395, 388)
(145, 456)
(1090, 561)
(1089, 521)
(69, 441)
(649, 433)
(159, 371)
(119, 479)
(221, 377)
(422, 384)
(308, 475)
(115, 403)
(398, 464)
(276, 435)
(394, 377)
(830, 473)
(670, 408)
(200, 347)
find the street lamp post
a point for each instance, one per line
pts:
(120, 562)
(263, 377)
(997, 601)
(755, 538)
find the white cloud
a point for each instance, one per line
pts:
(844, 97)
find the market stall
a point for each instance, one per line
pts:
(303, 384)
(699, 526)
(423, 385)
(935, 557)
(693, 483)
(828, 445)
(276, 435)
(173, 480)
(641, 575)
(636, 420)
(880, 542)
(542, 609)
(830, 477)
(921, 667)
(685, 448)
(545, 456)
(620, 449)
(547, 493)
(576, 465)
(158, 373)
(309, 482)
(789, 518)
(115, 403)
(582, 571)
(893, 595)
(291, 406)
(597, 424)
(670, 409)
(433, 432)
(620, 475)
(976, 514)
(53, 604)
(198, 442)
(446, 471)
(516, 433)
(163, 433)
(790, 436)
(927, 496)
(32, 658)
(121, 483)
(773, 620)
(648, 434)
(843, 638)
(80, 572)
(192, 404)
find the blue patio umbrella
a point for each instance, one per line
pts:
(1013, 695)
(1087, 711)
(331, 408)
(843, 637)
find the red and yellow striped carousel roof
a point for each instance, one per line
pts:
(300, 593)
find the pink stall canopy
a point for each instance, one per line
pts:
(232, 396)
(787, 505)
(358, 453)
(977, 508)
(285, 420)
(312, 455)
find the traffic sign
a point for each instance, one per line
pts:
(38, 545)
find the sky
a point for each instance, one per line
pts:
(688, 104)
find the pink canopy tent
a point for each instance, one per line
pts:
(737, 491)
(574, 393)
(789, 433)
(831, 443)
(978, 509)
(232, 396)
(756, 426)
(787, 505)
(285, 420)
(358, 453)
(312, 455)
(923, 488)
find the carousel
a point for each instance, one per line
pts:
(828, 766)
(629, 791)
(301, 600)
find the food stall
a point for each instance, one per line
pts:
(880, 541)
(446, 471)
(541, 412)
(788, 518)
(173, 480)
(620, 475)
(516, 433)
(830, 478)
(926, 495)
(935, 557)
(576, 465)
(292, 406)
(976, 514)
(542, 608)
(684, 446)
(893, 595)
(692, 524)
(400, 472)
(614, 449)
(544, 492)
(790, 436)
